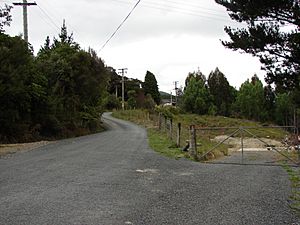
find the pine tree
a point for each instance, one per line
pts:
(150, 87)
(220, 90)
(272, 35)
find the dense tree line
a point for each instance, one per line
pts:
(215, 96)
(58, 93)
(138, 94)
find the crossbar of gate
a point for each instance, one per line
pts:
(270, 146)
(242, 130)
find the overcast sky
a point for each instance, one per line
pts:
(170, 38)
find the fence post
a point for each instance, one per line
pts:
(178, 134)
(193, 142)
(165, 124)
(171, 129)
(159, 121)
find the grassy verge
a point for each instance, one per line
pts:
(162, 144)
(294, 176)
(205, 140)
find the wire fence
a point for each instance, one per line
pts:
(205, 143)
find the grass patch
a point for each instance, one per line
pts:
(162, 144)
(294, 176)
(204, 138)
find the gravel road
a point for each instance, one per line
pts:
(113, 178)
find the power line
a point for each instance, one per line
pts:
(190, 5)
(42, 16)
(118, 28)
(175, 9)
(47, 15)
(58, 15)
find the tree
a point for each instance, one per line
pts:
(21, 89)
(196, 97)
(76, 88)
(197, 75)
(149, 102)
(220, 90)
(251, 100)
(272, 35)
(269, 101)
(5, 17)
(132, 99)
(150, 87)
(283, 109)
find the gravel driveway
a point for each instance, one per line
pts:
(114, 178)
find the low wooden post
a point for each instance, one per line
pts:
(171, 129)
(178, 134)
(166, 121)
(159, 121)
(193, 142)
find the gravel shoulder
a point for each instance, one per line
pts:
(7, 149)
(114, 178)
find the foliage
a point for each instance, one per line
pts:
(132, 99)
(270, 97)
(76, 82)
(283, 109)
(198, 75)
(115, 84)
(58, 93)
(149, 102)
(221, 91)
(251, 100)
(196, 98)
(21, 88)
(272, 35)
(5, 17)
(111, 102)
(150, 87)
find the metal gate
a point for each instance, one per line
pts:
(270, 152)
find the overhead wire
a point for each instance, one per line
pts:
(53, 11)
(175, 9)
(192, 5)
(47, 15)
(46, 21)
(121, 24)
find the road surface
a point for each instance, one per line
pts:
(114, 178)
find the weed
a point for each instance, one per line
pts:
(294, 176)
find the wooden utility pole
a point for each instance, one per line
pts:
(122, 72)
(176, 91)
(25, 4)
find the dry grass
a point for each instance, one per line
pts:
(7, 149)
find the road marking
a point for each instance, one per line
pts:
(147, 171)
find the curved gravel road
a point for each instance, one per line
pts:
(114, 178)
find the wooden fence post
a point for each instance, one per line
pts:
(159, 121)
(171, 129)
(193, 142)
(178, 134)
(165, 124)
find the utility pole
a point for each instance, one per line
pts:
(25, 4)
(122, 72)
(176, 91)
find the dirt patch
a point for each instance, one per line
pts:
(247, 142)
(7, 149)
